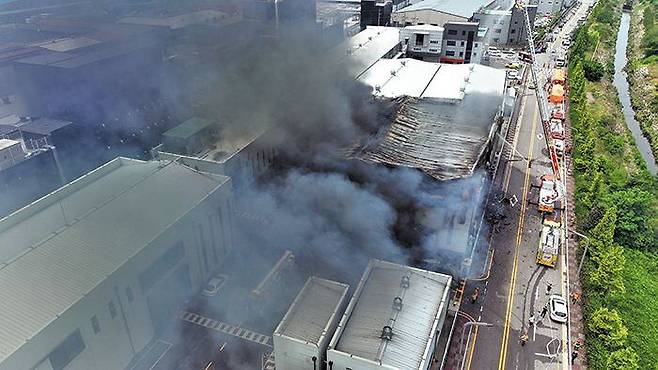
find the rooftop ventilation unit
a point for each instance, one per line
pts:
(397, 304)
(405, 281)
(387, 333)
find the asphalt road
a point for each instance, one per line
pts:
(517, 286)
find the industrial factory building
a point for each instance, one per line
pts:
(202, 144)
(393, 320)
(302, 337)
(436, 12)
(446, 121)
(91, 272)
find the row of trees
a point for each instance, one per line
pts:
(613, 207)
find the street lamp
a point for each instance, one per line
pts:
(470, 323)
(582, 259)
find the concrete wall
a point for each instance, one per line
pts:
(293, 354)
(430, 49)
(132, 328)
(431, 17)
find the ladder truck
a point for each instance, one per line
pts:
(540, 92)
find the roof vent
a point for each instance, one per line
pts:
(397, 304)
(387, 333)
(405, 281)
(378, 88)
(404, 62)
(369, 37)
(394, 72)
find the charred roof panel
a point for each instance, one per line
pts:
(444, 129)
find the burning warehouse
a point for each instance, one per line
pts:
(446, 119)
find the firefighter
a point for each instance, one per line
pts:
(524, 337)
(474, 296)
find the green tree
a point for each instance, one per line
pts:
(602, 235)
(593, 70)
(623, 359)
(607, 326)
(635, 208)
(607, 274)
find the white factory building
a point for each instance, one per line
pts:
(393, 320)
(90, 273)
(209, 146)
(302, 337)
(436, 12)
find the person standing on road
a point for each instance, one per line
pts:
(549, 286)
(544, 311)
(574, 355)
(474, 296)
(524, 337)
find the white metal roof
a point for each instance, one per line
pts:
(371, 308)
(364, 49)
(446, 119)
(7, 143)
(110, 215)
(313, 310)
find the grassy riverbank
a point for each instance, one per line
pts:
(643, 68)
(616, 205)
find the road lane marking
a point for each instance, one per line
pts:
(506, 181)
(519, 234)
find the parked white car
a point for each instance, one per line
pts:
(213, 286)
(558, 308)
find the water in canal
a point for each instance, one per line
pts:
(621, 83)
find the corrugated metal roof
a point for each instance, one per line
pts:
(462, 8)
(44, 126)
(445, 117)
(312, 311)
(413, 326)
(364, 49)
(59, 264)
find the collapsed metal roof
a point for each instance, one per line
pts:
(445, 117)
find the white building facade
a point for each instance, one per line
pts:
(97, 268)
(422, 42)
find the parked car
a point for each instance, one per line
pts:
(560, 62)
(213, 286)
(512, 65)
(558, 308)
(513, 75)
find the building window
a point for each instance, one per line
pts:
(475, 54)
(434, 50)
(66, 351)
(129, 294)
(434, 24)
(463, 33)
(462, 43)
(450, 53)
(407, 23)
(420, 40)
(498, 30)
(475, 45)
(421, 23)
(461, 53)
(95, 324)
(513, 31)
(516, 22)
(496, 40)
(451, 43)
(434, 42)
(112, 308)
(452, 32)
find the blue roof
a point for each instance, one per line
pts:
(461, 8)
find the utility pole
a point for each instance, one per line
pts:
(582, 258)
(470, 323)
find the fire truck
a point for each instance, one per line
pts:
(549, 243)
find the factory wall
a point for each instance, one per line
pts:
(498, 26)
(121, 316)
